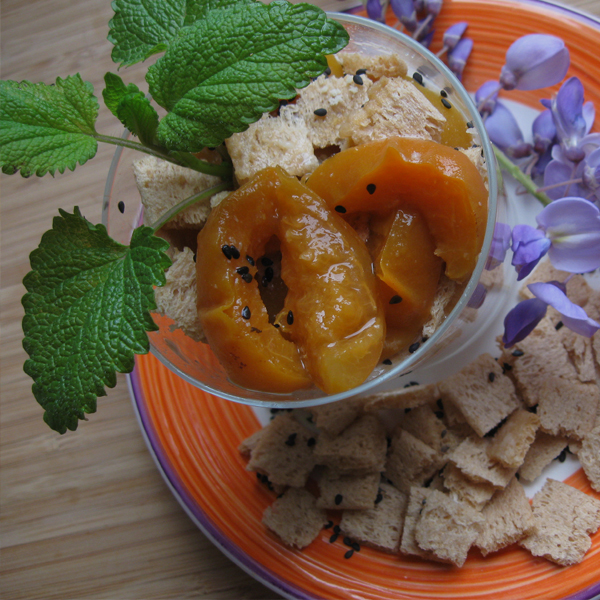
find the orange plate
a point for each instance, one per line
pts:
(194, 436)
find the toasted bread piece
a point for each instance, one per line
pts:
(417, 497)
(511, 443)
(422, 423)
(395, 108)
(284, 452)
(177, 298)
(472, 458)
(334, 417)
(339, 491)
(564, 518)
(444, 300)
(162, 185)
(295, 518)
(507, 519)
(338, 96)
(447, 528)
(579, 349)
(589, 456)
(388, 65)
(247, 446)
(541, 453)
(482, 393)
(272, 141)
(361, 447)
(410, 461)
(403, 398)
(475, 493)
(381, 526)
(568, 407)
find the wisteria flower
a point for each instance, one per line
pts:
(457, 57)
(499, 247)
(504, 131)
(563, 179)
(375, 10)
(529, 246)
(486, 97)
(526, 315)
(535, 61)
(405, 13)
(590, 174)
(453, 34)
(544, 131)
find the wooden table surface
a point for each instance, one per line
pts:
(85, 515)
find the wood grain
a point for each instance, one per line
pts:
(84, 515)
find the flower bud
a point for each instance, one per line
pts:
(453, 34)
(405, 12)
(457, 58)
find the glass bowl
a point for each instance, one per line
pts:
(196, 363)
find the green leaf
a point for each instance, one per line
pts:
(225, 71)
(87, 313)
(131, 107)
(45, 128)
(140, 29)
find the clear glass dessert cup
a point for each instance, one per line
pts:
(195, 361)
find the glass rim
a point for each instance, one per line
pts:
(405, 365)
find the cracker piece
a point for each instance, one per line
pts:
(272, 141)
(283, 452)
(541, 453)
(381, 526)
(416, 499)
(410, 461)
(247, 446)
(334, 417)
(295, 518)
(476, 494)
(580, 352)
(410, 397)
(507, 519)
(589, 456)
(382, 65)
(564, 518)
(162, 185)
(360, 448)
(394, 108)
(482, 393)
(543, 356)
(568, 407)
(578, 289)
(422, 423)
(445, 296)
(471, 457)
(447, 528)
(511, 443)
(475, 155)
(347, 491)
(177, 298)
(339, 96)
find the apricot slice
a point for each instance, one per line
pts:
(439, 182)
(331, 328)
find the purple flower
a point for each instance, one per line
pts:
(534, 61)
(499, 247)
(457, 58)
(505, 132)
(433, 7)
(453, 34)
(522, 320)
(529, 246)
(591, 173)
(374, 10)
(573, 227)
(405, 13)
(478, 296)
(544, 131)
(487, 96)
(563, 178)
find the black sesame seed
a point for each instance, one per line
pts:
(443, 433)
(414, 347)
(424, 339)
(235, 253)
(328, 525)
(269, 273)
(395, 299)
(491, 377)
(355, 546)
(250, 260)
(338, 499)
(439, 414)
(121, 206)
(247, 277)
(440, 403)
(242, 270)
(371, 188)
(518, 353)
(349, 554)
(361, 72)
(339, 208)
(446, 103)
(327, 71)
(379, 498)
(347, 541)
(559, 325)
(418, 78)
(506, 367)
(277, 325)
(443, 93)
(333, 538)
(290, 318)
(226, 251)
(246, 312)
(337, 529)
(266, 261)
(412, 383)
(469, 124)
(320, 112)
(517, 476)
(311, 442)
(387, 361)
(357, 80)
(562, 456)
(291, 441)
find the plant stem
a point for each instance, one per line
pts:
(223, 170)
(524, 180)
(180, 206)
